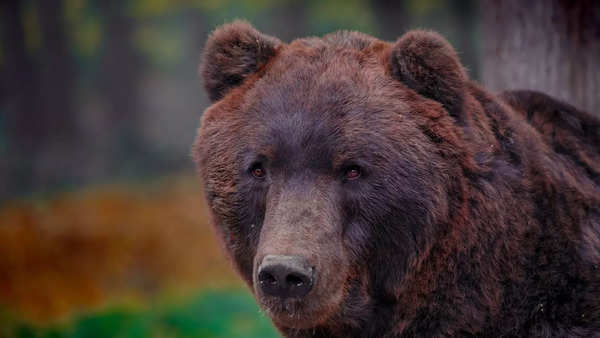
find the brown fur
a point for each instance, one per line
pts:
(474, 215)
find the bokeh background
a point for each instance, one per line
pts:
(103, 227)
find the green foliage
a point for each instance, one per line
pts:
(422, 7)
(163, 24)
(161, 44)
(224, 313)
(329, 16)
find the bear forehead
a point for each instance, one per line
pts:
(315, 96)
(315, 62)
(310, 76)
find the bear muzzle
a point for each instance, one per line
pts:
(285, 276)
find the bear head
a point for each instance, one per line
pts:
(331, 165)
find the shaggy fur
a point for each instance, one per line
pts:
(473, 215)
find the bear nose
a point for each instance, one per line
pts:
(285, 276)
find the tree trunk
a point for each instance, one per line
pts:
(57, 75)
(551, 46)
(57, 159)
(392, 20)
(466, 18)
(288, 20)
(40, 95)
(20, 101)
(121, 71)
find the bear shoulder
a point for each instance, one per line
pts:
(564, 128)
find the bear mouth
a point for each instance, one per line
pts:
(292, 312)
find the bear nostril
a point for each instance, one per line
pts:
(266, 278)
(294, 280)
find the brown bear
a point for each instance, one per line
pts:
(371, 189)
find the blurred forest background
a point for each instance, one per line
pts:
(95, 90)
(103, 227)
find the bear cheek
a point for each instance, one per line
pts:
(236, 242)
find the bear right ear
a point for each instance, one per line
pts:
(426, 63)
(233, 52)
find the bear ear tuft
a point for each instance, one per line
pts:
(426, 63)
(232, 52)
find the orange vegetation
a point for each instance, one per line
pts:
(80, 249)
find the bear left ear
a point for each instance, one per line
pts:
(233, 52)
(426, 62)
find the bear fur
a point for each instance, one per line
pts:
(427, 206)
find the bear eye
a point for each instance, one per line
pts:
(352, 172)
(258, 171)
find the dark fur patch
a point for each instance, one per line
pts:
(569, 131)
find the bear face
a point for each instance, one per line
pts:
(366, 188)
(319, 152)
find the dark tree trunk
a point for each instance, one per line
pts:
(20, 81)
(20, 98)
(392, 20)
(120, 76)
(38, 98)
(289, 20)
(57, 159)
(57, 76)
(40, 117)
(548, 45)
(465, 14)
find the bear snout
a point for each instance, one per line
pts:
(285, 276)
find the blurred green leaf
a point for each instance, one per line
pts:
(161, 44)
(149, 8)
(213, 313)
(329, 16)
(84, 28)
(421, 7)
